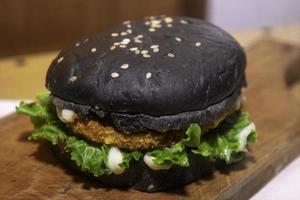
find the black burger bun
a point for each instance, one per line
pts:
(158, 74)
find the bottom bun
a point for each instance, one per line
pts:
(139, 176)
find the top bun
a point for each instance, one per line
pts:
(160, 66)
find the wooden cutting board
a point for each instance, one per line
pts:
(29, 170)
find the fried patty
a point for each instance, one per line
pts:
(105, 134)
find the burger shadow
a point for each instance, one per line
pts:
(43, 153)
(184, 191)
(24, 136)
(92, 183)
(238, 166)
(221, 168)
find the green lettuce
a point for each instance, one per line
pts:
(176, 154)
(90, 158)
(226, 142)
(129, 156)
(48, 132)
(50, 128)
(222, 143)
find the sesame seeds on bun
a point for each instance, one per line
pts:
(156, 74)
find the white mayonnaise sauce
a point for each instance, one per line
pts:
(149, 161)
(115, 157)
(66, 115)
(243, 135)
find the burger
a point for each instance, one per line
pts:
(151, 104)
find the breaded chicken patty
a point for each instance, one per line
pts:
(105, 134)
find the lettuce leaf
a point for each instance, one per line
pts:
(226, 142)
(229, 140)
(48, 132)
(41, 112)
(193, 138)
(129, 156)
(90, 158)
(176, 154)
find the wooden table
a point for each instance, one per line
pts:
(22, 77)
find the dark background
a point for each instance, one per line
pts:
(38, 25)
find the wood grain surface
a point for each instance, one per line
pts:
(29, 170)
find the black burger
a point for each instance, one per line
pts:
(150, 104)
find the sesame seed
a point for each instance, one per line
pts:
(168, 20)
(137, 51)
(169, 25)
(198, 44)
(60, 59)
(155, 50)
(144, 52)
(138, 41)
(155, 22)
(151, 17)
(114, 75)
(139, 36)
(126, 22)
(112, 47)
(171, 55)
(128, 25)
(77, 44)
(148, 75)
(125, 41)
(154, 46)
(124, 66)
(123, 33)
(115, 34)
(117, 43)
(123, 46)
(73, 78)
(156, 26)
(129, 31)
(151, 29)
(183, 21)
(178, 39)
(133, 48)
(86, 40)
(146, 56)
(93, 49)
(147, 23)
